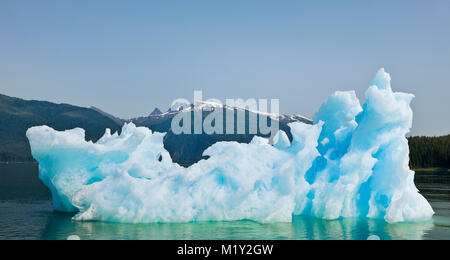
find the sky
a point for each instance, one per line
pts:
(128, 57)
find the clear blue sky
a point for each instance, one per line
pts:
(127, 57)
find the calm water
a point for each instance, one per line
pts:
(26, 213)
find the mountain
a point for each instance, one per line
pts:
(160, 122)
(17, 115)
(156, 112)
(186, 149)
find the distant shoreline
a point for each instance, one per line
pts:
(430, 169)
(16, 162)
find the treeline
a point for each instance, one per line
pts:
(427, 152)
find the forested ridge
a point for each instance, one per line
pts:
(425, 152)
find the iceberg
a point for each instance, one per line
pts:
(351, 163)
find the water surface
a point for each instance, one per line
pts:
(26, 213)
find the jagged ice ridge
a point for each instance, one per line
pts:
(352, 162)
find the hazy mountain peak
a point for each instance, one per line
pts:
(156, 112)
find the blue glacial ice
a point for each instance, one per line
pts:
(352, 162)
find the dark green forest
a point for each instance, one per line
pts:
(425, 152)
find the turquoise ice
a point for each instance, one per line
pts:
(352, 162)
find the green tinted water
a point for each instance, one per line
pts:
(26, 213)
